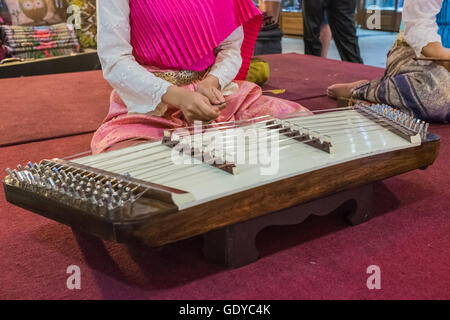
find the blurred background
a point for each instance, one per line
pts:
(76, 49)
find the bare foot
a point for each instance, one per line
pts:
(343, 90)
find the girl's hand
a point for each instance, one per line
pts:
(194, 105)
(437, 50)
(209, 87)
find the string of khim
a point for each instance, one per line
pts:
(302, 120)
(99, 161)
(291, 140)
(155, 164)
(400, 120)
(334, 119)
(218, 126)
(165, 177)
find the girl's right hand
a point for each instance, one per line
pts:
(194, 105)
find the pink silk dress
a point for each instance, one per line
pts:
(182, 51)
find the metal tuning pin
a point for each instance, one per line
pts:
(417, 126)
(52, 183)
(10, 173)
(31, 177)
(110, 187)
(421, 125)
(29, 166)
(48, 187)
(27, 177)
(76, 195)
(413, 124)
(83, 196)
(425, 131)
(12, 177)
(18, 176)
(71, 176)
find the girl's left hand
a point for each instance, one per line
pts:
(209, 87)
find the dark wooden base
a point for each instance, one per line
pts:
(234, 245)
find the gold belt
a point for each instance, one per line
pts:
(182, 77)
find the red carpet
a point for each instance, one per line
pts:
(65, 104)
(306, 77)
(323, 258)
(320, 103)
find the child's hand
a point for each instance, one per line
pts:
(209, 87)
(194, 105)
(438, 51)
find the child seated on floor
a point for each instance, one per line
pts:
(414, 86)
(171, 63)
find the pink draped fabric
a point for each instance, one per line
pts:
(245, 103)
(182, 34)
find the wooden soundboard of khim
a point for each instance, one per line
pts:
(142, 194)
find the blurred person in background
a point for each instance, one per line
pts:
(417, 77)
(341, 18)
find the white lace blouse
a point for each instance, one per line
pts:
(419, 17)
(140, 89)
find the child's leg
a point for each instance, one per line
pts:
(325, 38)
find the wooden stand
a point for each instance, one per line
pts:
(234, 246)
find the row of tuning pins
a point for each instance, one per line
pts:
(76, 187)
(409, 122)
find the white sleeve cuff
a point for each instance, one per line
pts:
(228, 58)
(140, 90)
